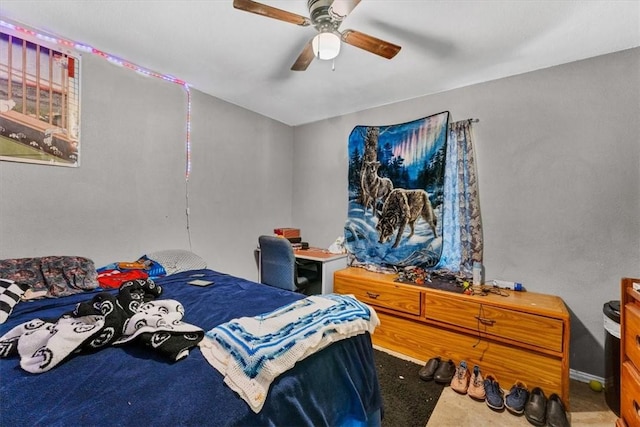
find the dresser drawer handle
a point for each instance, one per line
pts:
(372, 295)
(485, 321)
(638, 340)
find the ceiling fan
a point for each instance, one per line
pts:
(326, 16)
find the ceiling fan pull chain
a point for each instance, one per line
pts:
(333, 65)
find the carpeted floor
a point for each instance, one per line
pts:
(408, 401)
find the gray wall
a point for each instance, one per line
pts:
(558, 155)
(128, 197)
(558, 161)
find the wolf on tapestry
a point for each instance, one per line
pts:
(396, 192)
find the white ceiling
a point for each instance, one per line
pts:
(245, 58)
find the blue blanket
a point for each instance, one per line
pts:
(131, 386)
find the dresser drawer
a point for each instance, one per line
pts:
(537, 330)
(630, 394)
(388, 295)
(632, 333)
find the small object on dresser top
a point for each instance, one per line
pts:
(477, 273)
(514, 286)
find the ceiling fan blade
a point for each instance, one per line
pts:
(341, 8)
(371, 44)
(305, 58)
(271, 12)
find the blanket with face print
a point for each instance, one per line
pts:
(132, 316)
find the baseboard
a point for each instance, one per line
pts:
(583, 376)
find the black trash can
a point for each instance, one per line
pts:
(611, 312)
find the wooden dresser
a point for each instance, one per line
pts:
(629, 354)
(523, 336)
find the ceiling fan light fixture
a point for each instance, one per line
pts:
(326, 45)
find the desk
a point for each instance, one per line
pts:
(329, 263)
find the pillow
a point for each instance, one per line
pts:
(10, 293)
(177, 260)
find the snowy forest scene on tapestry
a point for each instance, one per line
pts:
(396, 184)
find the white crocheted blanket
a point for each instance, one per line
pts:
(251, 352)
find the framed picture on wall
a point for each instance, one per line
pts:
(39, 101)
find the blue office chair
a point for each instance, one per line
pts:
(278, 266)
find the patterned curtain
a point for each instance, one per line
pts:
(462, 226)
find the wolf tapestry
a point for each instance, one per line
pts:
(396, 183)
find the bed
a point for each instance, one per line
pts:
(131, 385)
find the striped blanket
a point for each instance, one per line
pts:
(250, 352)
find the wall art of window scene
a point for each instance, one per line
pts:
(396, 192)
(39, 103)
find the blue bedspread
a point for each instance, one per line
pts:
(131, 385)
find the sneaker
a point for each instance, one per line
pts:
(493, 393)
(517, 398)
(476, 385)
(460, 381)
